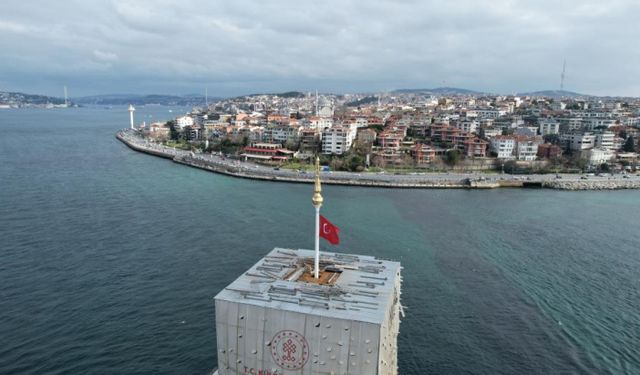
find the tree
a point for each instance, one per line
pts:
(336, 163)
(510, 166)
(604, 167)
(629, 145)
(292, 144)
(453, 157)
(379, 161)
(173, 132)
(355, 163)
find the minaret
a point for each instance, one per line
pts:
(131, 109)
(317, 203)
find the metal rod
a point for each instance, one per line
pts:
(316, 268)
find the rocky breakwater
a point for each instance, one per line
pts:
(614, 184)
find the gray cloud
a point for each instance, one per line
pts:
(236, 47)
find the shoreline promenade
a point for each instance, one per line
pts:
(236, 168)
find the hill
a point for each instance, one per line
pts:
(124, 99)
(554, 94)
(19, 99)
(439, 91)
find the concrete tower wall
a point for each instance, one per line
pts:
(246, 335)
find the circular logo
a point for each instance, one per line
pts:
(290, 350)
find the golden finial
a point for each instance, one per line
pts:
(317, 197)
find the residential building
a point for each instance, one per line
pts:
(184, 121)
(489, 133)
(310, 141)
(570, 124)
(423, 154)
(598, 156)
(320, 123)
(579, 141)
(528, 131)
(548, 126)
(158, 131)
(594, 123)
(367, 135)
(475, 148)
(281, 134)
(605, 140)
(503, 146)
(527, 147)
(337, 140)
(467, 126)
(549, 151)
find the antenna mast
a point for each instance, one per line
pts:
(564, 69)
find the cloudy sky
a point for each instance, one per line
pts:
(237, 47)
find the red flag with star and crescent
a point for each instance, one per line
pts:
(329, 231)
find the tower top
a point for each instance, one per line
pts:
(131, 108)
(317, 197)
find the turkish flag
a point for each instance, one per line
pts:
(329, 231)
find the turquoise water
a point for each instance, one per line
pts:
(110, 259)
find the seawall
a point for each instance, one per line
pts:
(426, 181)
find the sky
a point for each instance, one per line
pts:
(238, 47)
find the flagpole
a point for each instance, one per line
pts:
(317, 203)
(316, 265)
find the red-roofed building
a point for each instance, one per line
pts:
(267, 152)
(475, 148)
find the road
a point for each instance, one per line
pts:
(249, 168)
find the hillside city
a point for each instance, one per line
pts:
(473, 132)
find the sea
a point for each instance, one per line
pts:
(110, 259)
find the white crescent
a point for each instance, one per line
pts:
(324, 229)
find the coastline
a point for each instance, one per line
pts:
(252, 171)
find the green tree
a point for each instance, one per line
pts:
(629, 145)
(453, 157)
(355, 163)
(510, 166)
(173, 132)
(604, 167)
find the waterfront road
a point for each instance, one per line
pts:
(219, 163)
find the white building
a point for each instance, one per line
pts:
(320, 123)
(467, 126)
(504, 146)
(491, 132)
(281, 134)
(570, 124)
(183, 121)
(548, 126)
(529, 131)
(598, 156)
(338, 140)
(527, 148)
(361, 122)
(597, 122)
(605, 140)
(579, 141)
(490, 113)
